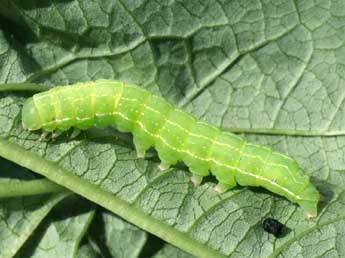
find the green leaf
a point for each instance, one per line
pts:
(19, 217)
(117, 238)
(61, 232)
(170, 251)
(271, 71)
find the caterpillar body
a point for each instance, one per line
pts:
(176, 135)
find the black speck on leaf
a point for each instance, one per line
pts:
(273, 226)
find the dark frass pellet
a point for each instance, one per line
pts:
(273, 226)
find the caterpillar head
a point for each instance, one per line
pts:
(30, 116)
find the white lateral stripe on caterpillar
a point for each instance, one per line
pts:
(220, 143)
(209, 159)
(187, 152)
(185, 130)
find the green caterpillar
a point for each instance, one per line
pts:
(175, 134)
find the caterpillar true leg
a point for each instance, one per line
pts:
(56, 134)
(43, 136)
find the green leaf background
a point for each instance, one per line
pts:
(271, 71)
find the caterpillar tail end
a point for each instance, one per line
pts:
(310, 208)
(309, 199)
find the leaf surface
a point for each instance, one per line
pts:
(271, 71)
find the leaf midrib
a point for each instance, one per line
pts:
(49, 169)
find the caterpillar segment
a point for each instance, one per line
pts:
(176, 135)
